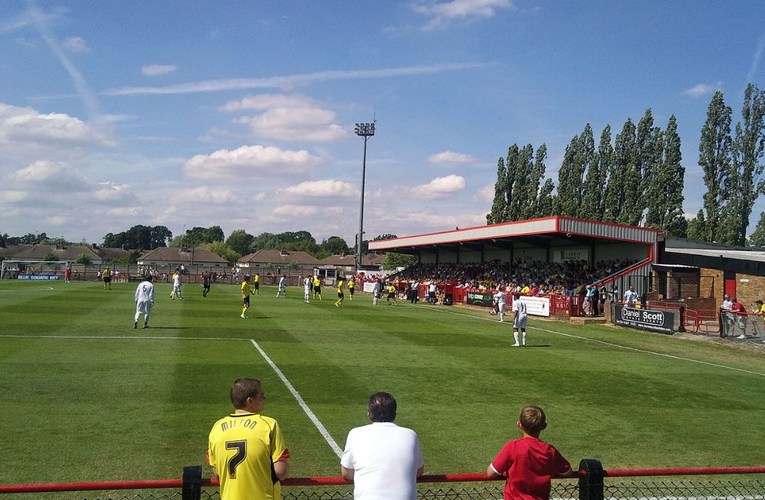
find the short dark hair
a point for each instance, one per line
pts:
(532, 419)
(382, 407)
(244, 388)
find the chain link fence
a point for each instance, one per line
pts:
(594, 483)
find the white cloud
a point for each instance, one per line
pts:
(402, 222)
(48, 175)
(249, 163)
(158, 69)
(438, 187)
(205, 195)
(702, 89)
(485, 194)
(442, 13)
(292, 81)
(11, 196)
(322, 189)
(287, 117)
(451, 157)
(127, 212)
(76, 45)
(25, 133)
(57, 220)
(114, 193)
(295, 210)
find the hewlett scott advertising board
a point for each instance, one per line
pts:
(644, 319)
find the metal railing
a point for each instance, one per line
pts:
(594, 483)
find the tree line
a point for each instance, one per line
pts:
(238, 244)
(638, 177)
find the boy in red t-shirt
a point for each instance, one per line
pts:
(529, 463)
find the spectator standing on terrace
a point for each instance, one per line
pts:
(520, 319)
(246, 449)
(630, 297)
(726, 315)
(759, 312)
(529, 463)
(592, 295)
(144, 301)
(432, 292)
(738, 311)
(382, 459)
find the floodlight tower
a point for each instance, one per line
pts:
(365, 130)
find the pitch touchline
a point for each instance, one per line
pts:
(322, 430)
(635, 349)
(115, 337)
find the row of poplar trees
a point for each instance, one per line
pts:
(638, 178)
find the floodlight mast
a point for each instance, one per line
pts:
(365, 130)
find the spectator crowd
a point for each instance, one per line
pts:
(528, 278)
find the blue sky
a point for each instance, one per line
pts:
(241, 113)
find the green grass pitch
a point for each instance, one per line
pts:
(85, 397)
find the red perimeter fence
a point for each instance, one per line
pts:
(594, 483)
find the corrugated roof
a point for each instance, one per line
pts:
(543, 229)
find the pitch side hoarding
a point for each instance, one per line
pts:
(645, 319)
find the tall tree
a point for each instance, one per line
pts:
(546, 199)
(570, 180)
(591, 207)
(521, 188)
(758, 236)
(499, 205)
(714, 159)
(665, 192)
(626, 183)
(747, 169)
(510, 163)
(535, 191)
(605, 164)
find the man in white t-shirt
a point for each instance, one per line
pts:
(630, 296)
(144, 300)
(520, 319)
(382, 459)
(500, 300)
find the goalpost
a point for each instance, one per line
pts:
(33, 269)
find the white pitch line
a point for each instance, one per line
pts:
(628, 348)
(115, 337)
(322, 430)
(654, 353)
